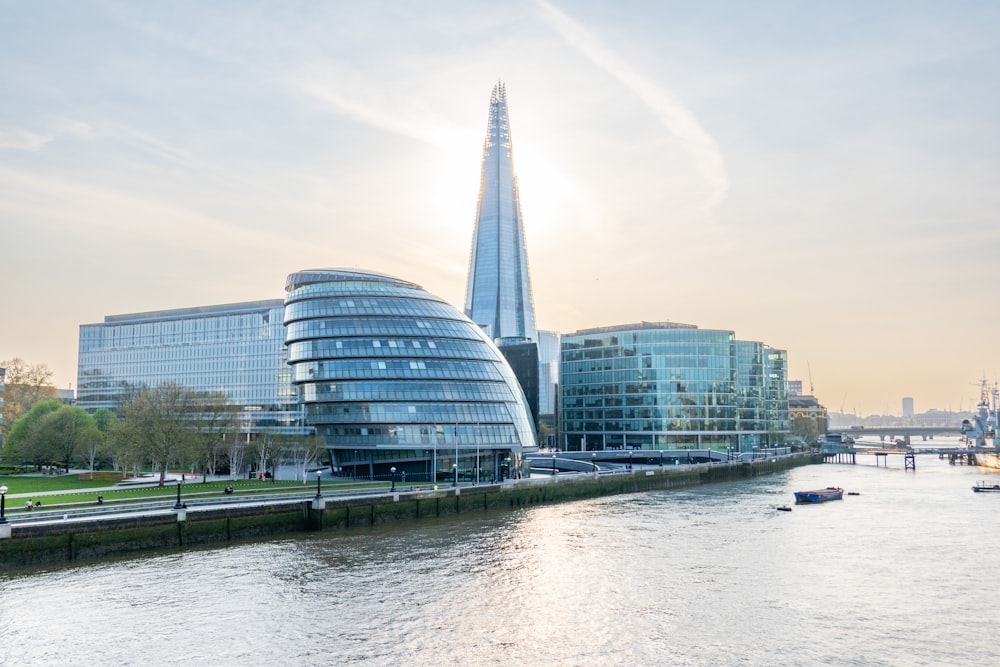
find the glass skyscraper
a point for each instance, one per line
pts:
(498, 295)
(662, 385)
(392, 376)
(236, 349)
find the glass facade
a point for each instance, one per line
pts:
(236, 349)
(498, 294)
(670, 386)
(390, 375)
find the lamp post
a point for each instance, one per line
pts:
(454, 467)
(178, 505)
(3, 500)
(661, 458)
(553, 465)
(393, 471)
(593, 456)
(630, 459)
(319, 474)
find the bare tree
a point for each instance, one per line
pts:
(214, 418)
(266, 448)
(302, 452)
(161, 425)
(236, 453)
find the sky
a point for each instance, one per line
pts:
(822, 177)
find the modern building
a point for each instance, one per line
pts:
(908, 407)
(236, 349)
(498, 294)
(663, 385)
(395, 378)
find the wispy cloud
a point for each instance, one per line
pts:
(27, 140)
(699, 144)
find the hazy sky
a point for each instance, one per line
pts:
(821, 176)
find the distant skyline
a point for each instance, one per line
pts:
(821, 177)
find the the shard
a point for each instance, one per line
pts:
(498, 294)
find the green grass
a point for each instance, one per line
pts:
(76, 490)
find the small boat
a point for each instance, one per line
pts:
(983, 486)
(783, 508)
(820, 495)
(853, 493)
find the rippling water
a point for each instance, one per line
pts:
(899, 575)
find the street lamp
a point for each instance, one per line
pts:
(553, 465)
(593, 456)
(454, 466)
(319, 473)
(3, 500)
(630, 459)
(178, 505)
(393, 471)
(661, 458)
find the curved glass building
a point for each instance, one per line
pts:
(392, 376)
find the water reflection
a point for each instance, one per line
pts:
(706, 575)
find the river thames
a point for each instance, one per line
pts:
(902, 574)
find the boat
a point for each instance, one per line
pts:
(981, 435)
(819, 495)
(983, 486)
(783, 508)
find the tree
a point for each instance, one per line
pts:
(266, 448)
(26, 442)
(236, 452)
(25, 385)
(805, 428)
(158, 426)
(65, 431)
(214, 417)
(302, 452)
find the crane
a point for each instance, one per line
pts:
(809, 368)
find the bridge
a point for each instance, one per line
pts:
(903, 432)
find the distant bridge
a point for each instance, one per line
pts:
(904, 432)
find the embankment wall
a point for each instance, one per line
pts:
(91, 539)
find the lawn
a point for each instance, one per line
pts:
(75, 490)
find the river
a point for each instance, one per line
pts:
(901, 574)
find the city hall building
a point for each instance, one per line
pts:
(662, 385)
(393, 377)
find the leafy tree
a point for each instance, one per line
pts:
(25, 385)
(65, 431)
(104, 419)
(805, 428)
(26, 442)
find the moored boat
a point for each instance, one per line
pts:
(983, 486)
(819, 495)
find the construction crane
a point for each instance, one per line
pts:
(809, 368)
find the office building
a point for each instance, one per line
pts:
(663, 385)
(236, 349)
(498, 295)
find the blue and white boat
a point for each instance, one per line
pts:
(819, 495)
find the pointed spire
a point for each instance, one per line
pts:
(498, 295)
